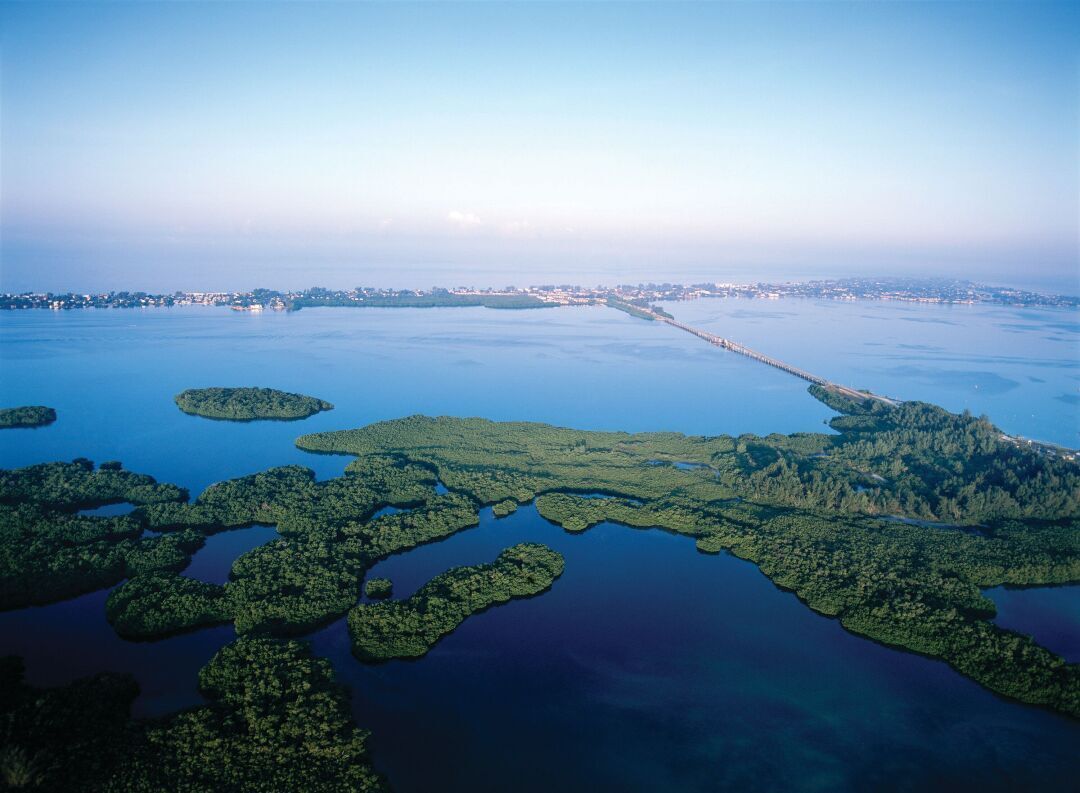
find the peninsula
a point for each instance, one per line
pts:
(409, 628)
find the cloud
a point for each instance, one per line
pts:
(517, 227)
(463, 219)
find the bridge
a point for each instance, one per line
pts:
(783, 366)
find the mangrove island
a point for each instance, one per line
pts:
(248, 404)
(26, 416)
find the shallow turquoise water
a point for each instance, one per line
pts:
(648, 665)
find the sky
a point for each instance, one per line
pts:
(165, 146)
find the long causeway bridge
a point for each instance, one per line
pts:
(783, 366)
(1040, 447)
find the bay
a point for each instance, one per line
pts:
(648, 665)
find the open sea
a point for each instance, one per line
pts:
(648, 665)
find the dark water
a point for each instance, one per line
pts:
(109, 510)
(213, 561)
(648, 665)
(1051, 615)
(72, 639)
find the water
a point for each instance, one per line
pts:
(625, 677)
(1051, 615)
(72, 639)
(648, 665)
(112, 374)
(213, 561)
(385, 511)
(109, 510)
(1020, 366)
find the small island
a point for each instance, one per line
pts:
(249, 404)
(26, 416)
(379, 588)
(504, 508)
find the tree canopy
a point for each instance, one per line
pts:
(26, 416)
(248, 404)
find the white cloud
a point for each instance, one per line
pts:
(463, 219)
(517, 227)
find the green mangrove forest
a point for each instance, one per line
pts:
(810, 510)
(807, 509)
(378, 588)
(248, 404)
(49, 552)
(26, 416)
(276, 720)
(409, 628)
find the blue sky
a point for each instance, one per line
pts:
(184, 145)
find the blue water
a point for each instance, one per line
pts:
(1020, 366)
(112, 374)
(648, 665)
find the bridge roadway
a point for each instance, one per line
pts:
(742, 349)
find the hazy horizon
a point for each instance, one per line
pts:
(228, 146)
(205, 279)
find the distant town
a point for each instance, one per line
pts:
(903, 290)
